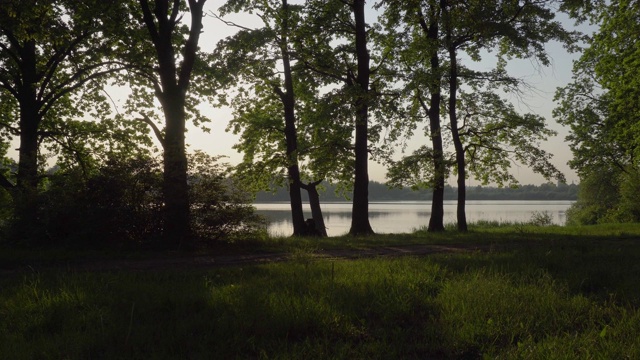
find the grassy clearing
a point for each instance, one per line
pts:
(546, 293)
(482, 233)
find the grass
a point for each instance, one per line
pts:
(542, 293)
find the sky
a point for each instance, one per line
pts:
(545, 80)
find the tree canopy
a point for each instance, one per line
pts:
(600, 106)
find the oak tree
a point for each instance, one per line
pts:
(49, 51)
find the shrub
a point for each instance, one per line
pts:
(120, 202)
(541, 218)
(599, 194)
(219, 209)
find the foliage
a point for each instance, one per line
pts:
(56, 57)
(415, 170)
(428, 38)
(120, 203)
(6, 205)
(495, 134)
(543, 218)
(139, 49)
(606, 196)
(601, 108)
(220, 209)
(492, 133)
(323, 110)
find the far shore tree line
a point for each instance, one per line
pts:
(381, 192)
(317, 88)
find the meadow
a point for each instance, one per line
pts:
(532, 292)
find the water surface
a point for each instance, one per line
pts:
(406, 216)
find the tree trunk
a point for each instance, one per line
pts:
(160, 22)
(360, 213)
(460, 163)
(316, 210)
(295, 201)
(175, 187)
(436, 221)
(295, 198)
(291, 136)
(26, 203)
(453, 119)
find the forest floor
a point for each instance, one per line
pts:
(191, 261)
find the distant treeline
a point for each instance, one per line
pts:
(380, 192)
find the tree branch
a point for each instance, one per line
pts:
(324, 72)
(6, 85)
(423, 104)
(174, 13)
(61, 90)
(310, 185)
(153, 126)
(12, 39)
(11, 54)
(147, 17)
(12, 130)
(229, 23)
(6, 183)
(57, 58)
(191, 47)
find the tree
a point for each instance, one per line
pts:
(169, 73)
(49, 50)
(360, 214)
(414, 32)
(346, 63)
(494, 135)
(520, 28)
(255, 57)
(517, 29)
(601, 108)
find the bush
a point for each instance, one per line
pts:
(6, 213)
(6, 201)
(219, 209)
(598, 197)
(541, 218)
(119, 203)
(607, 197)
(630, 197)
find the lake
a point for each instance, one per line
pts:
(406, 216)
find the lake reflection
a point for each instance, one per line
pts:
(406, 216)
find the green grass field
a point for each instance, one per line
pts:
(539, 293)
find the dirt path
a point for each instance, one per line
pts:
(212, 261)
